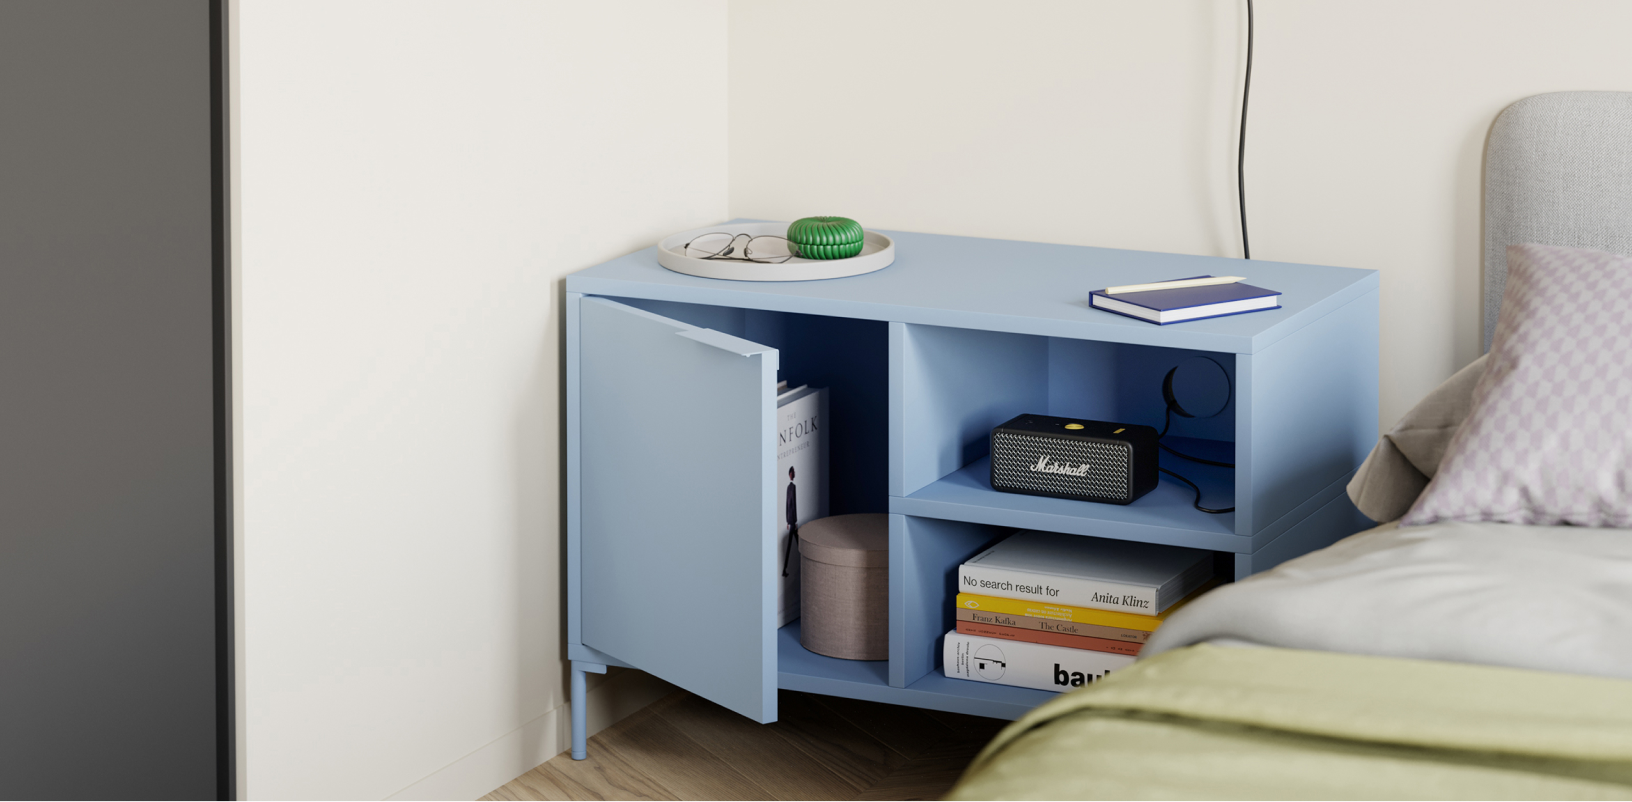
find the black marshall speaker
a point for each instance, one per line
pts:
(1086, 460)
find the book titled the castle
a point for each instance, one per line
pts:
(1143, 578)
(1163, 306)
(801, 482)
(1025, 665)
(1049, 638)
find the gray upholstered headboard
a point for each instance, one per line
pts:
(1558, 171)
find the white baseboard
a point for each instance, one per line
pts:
(535, 742)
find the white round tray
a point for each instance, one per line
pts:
(877, 253)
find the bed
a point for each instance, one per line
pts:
(1448, 660)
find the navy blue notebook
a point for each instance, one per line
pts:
(1190, 303)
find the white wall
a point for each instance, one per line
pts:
(1112, 123)
(414, 179)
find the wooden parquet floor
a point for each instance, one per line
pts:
(823, 747)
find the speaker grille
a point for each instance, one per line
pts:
(1109, 465)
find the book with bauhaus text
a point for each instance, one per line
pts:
(1025, 665)
(1142, 578)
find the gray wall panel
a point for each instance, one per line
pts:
(107, 452)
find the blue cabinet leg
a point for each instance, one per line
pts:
(580, 724)
(579, 705)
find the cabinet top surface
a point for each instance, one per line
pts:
(1006, 285)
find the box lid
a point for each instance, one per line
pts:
(856, 541)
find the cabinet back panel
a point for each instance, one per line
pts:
(1123, 383)
(958, 384)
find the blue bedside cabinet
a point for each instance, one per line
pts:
(671, 497)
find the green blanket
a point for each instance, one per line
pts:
(1210, 722)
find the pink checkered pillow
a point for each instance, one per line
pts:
(1549, 439)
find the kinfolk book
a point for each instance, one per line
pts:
(801, 484)
(1121, 575)
(1025, 665)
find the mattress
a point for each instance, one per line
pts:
(1546, 598)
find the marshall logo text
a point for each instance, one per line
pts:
(1046, 464)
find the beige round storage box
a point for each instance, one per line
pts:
(844, 597)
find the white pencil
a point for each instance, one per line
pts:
(1173, 285)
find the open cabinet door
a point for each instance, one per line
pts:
(677, 427)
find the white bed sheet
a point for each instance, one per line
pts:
(1537, 597)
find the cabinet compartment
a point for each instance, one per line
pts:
(951, 386)
(925, 555)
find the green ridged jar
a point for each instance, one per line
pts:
(826, 237)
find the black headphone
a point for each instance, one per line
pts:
(1174, 407)
(1173, 401)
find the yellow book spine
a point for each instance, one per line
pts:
(1076, 615)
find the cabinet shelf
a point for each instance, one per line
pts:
(1165, 515)
(935, 690)
(800, 669)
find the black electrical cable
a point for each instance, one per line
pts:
(1164, 446)
(1168, 424)
(1197, 502)
(1241, 140)
(1196, 459)
(1246, 253)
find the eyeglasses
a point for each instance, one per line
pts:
(724, 246)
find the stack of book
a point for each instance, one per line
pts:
(1053, 612)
